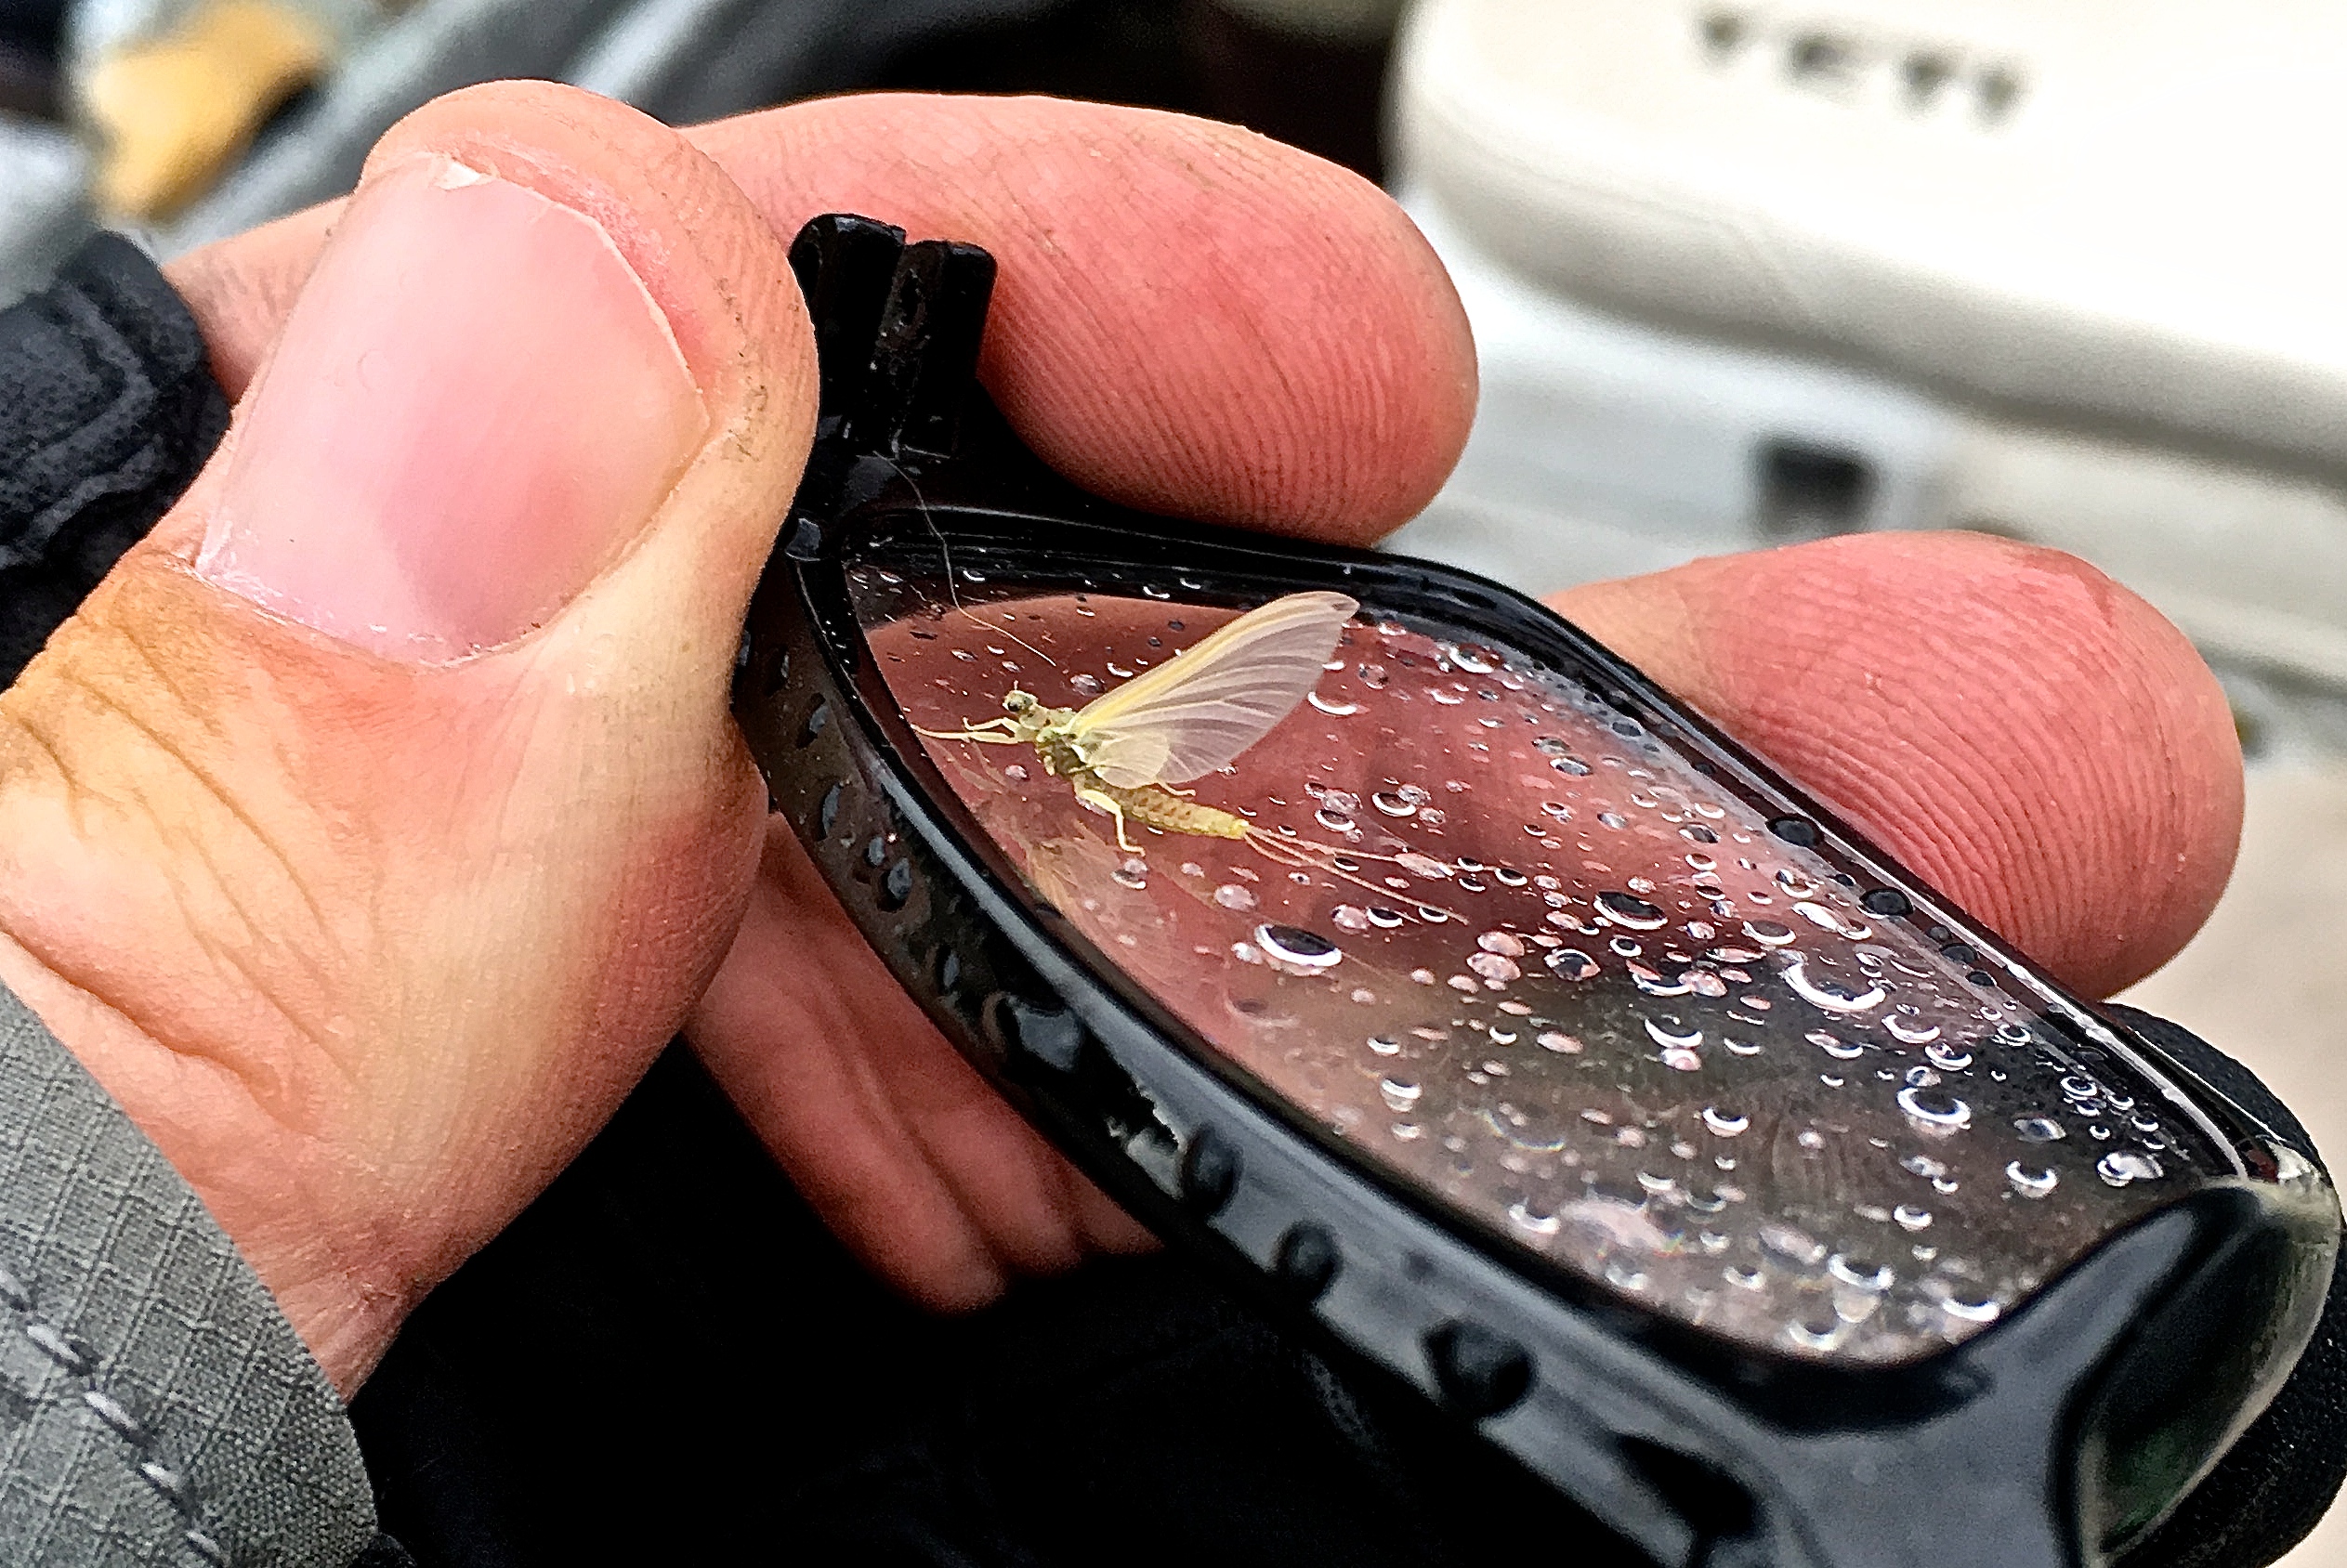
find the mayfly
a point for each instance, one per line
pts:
(1125, 753)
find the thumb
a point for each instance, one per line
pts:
(374, 823)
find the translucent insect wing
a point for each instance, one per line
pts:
(1194, 713)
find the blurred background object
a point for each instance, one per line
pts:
(1741, 274)
(171, 108)
(186, 120)
(1746, 274)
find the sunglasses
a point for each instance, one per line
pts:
(1371, 933)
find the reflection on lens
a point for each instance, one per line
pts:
(1503, 939)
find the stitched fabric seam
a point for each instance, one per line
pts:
(172, 1486)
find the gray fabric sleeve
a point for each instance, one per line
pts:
(155, 1406)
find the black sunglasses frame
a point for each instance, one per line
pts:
(2025, 1446)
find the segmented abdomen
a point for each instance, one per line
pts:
(1153, 807)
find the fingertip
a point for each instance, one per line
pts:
(698, 246)
(2026, 734)
(1189, 318)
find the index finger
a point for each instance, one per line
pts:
(1189, 318)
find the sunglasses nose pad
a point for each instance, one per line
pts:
(897, 330)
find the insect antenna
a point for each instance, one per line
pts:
(945, 552)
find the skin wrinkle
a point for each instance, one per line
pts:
(211, 790)
(216, 1064)
(1989, 806)
(276, 1105)
(135, 639)
(76, 798)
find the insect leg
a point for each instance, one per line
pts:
(1100, 800)
(986, 735)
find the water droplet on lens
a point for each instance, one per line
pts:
(1910, 1031)
(1391, 804)
(1088, 685)
(2122, 1165)
(1015, 773)
(1400, 1094)
(1384, 918)
(1835, 1046)
(1295, 946)
(1503, 941)
(1923, 1165)
(1385, 1045)
(1350, 917)
(1868, 1276)
(2037, 1130)
(1473, 659)
(1557, 1040)
(1373, 677)
(1912, 1217)
(1626, 911)
(1769, 934)
(1793, 1245)
(1532, 1219)
(1571, 963)
(1948, 1056)
(1651, 982)
(1725, 1124)
(1967, 1302)
(1230, 895)
(1494, 966)
(2029, 1182)
(1334, 821)
(1935, 1109)
(1334, 710)
(1673, 1034)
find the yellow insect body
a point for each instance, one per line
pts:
(1184, 719)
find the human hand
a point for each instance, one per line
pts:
(407, 930)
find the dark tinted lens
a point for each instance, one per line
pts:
(1501, 937)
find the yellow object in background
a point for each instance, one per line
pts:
(172, 111)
